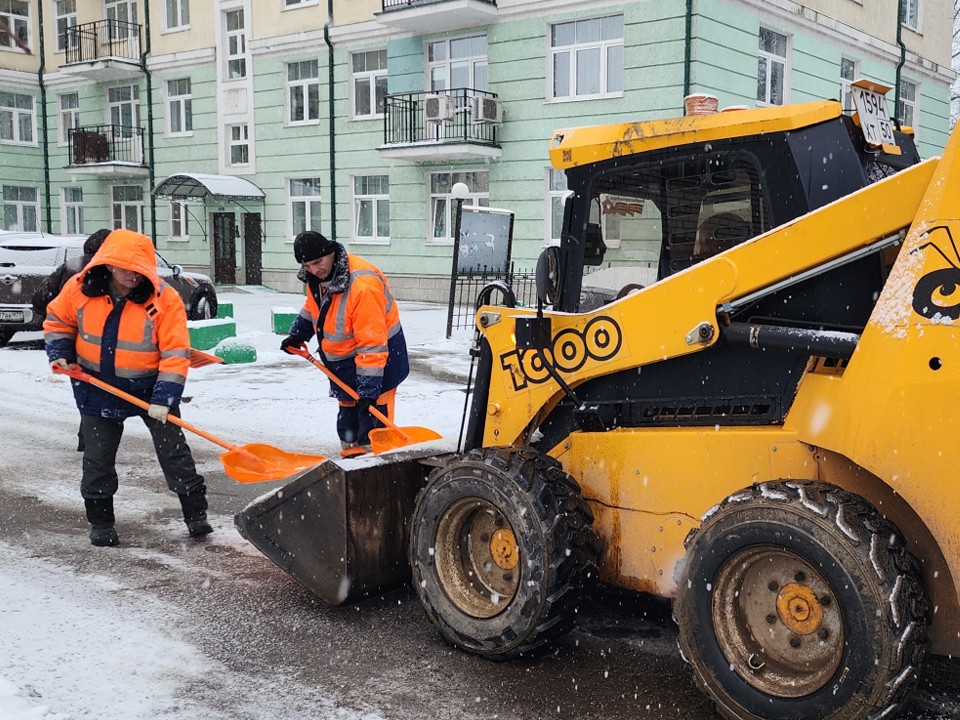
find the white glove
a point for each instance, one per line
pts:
(59, 363)
(158, 412)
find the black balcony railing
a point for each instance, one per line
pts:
(400, 4)
(406, 119)
(102, 39)
(106, 144)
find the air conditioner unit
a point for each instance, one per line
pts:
(438, 108)
(486, 109)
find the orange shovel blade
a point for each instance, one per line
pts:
(391, 438)
(257, 462)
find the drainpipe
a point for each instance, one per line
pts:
(43, 122)
(149, 138)
(687, 46)
(332, 131)
(903, 60)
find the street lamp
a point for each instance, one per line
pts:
(458, 192)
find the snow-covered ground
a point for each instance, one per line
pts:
(53, 620)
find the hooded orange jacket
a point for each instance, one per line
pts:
(138, 343)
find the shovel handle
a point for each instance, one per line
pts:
(306, 355)
(77, 374)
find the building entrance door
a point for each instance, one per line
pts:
(224, 248)
(252, 249)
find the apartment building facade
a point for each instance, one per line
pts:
(222, 128)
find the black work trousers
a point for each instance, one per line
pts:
(101, 438)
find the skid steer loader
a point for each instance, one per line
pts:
(741, 390)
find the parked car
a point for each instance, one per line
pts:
(26, 259)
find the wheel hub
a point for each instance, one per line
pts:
(798, 609)
(503, 549)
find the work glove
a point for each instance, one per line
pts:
(365, 420)
(59, 363)
(290, 341)
(159, 412)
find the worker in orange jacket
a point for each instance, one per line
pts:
(350, 308)
(121, 324)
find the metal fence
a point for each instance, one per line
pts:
(102, 39)
(106, 143)
(405, 120)
(463, 304)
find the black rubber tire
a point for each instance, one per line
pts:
(760, 548)
(478, 600)
(5, 335)
(204, 307)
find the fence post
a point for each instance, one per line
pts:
(458, 191)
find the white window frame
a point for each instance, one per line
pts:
(607, 47)
(556, 195)
(295, 4)
(379, 203)
(846, 94)
(913, 103)
(238, 137)
(176, 15)
(442, 65)
(16, 116)
(769, 59)
(20, 26)
(308, 90)
(121, 207)
(447, 202)
(69, 117)
(71, 211)
(180, 107)
(370, 79)
(124, 112)
(301, 204)
(21, 206)
(65, 21)
(178, 221)
(235, 42)
(124, 11)
(912, 15)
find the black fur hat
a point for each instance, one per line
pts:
(310, 245)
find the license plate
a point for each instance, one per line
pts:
(11, 315)
(872, 109)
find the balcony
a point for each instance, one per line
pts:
(103, 51)
(437, 15)
(441, 126)
(106, 150)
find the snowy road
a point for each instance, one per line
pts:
(166, 627)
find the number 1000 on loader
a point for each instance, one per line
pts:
(741, 391)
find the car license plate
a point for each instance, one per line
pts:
(872, 109)
(11, 315)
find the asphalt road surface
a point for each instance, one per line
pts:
(280, 653)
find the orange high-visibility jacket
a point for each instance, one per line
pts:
(139, 343)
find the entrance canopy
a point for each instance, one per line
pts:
(197, 186)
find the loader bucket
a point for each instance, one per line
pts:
(340, 533)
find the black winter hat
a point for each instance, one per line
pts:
(93, 243)
(310, 245)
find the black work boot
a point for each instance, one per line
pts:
(100, 517)
(195, 513)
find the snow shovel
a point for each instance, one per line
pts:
(390, 437)
(250, 463)
(200, 359)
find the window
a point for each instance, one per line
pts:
(911, 14)
(15, 25)
(369, 83)
(586, 58)
(71, 211)
(303, 92)
(304, 205)
(771, 67)
(371, 208)
(66, 19)
(556, 196)
(122, 15)
(458, 63)
(236, 45)
(180, 106)
(16, 117)
(289, 4)
(179, 215)
(20, 208)
(443, 204)
(123, 103)
(127, 207)
(239, 144)
(69, 115)
(849, 69)
(176, 14)
(907, 109)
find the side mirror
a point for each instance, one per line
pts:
(548, 275)
(177, 270)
